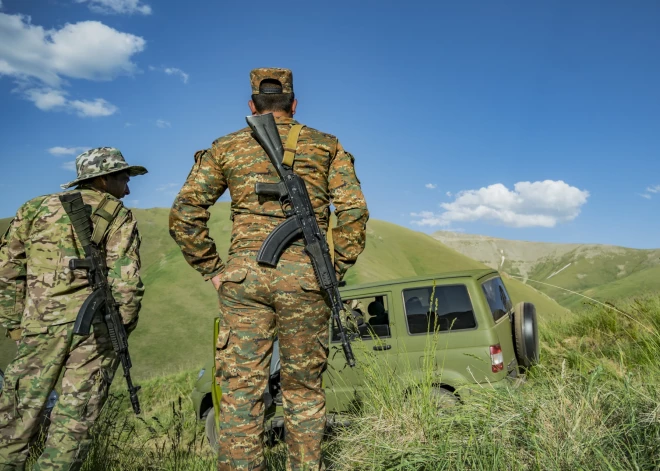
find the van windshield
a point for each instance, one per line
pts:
(497, 297)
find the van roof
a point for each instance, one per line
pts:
(475, 274)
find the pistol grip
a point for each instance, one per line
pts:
(270, 189)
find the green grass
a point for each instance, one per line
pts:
(592, 403)
(174, 332)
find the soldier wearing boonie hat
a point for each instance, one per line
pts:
(257, 301)
(102, 161)
(40, 297)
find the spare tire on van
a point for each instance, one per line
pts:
(526, 334)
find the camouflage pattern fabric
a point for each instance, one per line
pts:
(256, 300)
(237, 162)
(102, 161)
(284, 76)
(42, 296)
(37, 288)
(88, 365)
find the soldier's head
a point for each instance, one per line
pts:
(272, 92)
(105, 169)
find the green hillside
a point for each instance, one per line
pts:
(178, 308)
(604, 272)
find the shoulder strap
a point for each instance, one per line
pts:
(102, 217)
(291, 144)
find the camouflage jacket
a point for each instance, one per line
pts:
(37, 288)
(236, 162)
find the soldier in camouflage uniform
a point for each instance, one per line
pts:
(39, 300)
(257, 301)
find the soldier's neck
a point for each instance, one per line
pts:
(279, 114)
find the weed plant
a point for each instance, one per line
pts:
(591, 404)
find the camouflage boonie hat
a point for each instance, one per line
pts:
(102, 161)
(284, 76)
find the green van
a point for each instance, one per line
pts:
(483, 340)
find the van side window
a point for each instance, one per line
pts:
(371, 316)
(497, 297)
(443, 308)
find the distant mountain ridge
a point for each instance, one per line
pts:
(604, 272)
(174, 331)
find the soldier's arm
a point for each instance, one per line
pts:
(189, 215)
(13, 272)
(349, 236)
(123, 261)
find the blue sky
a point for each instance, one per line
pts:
(523, 120)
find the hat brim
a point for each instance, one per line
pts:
(133, 171)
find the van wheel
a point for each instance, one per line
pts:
(526, 334)
(211, 430)
(442, 398)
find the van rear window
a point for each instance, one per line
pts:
(443, 308)
(497, 297)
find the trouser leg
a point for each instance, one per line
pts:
(302, 328)
(243, 352)
(88, 373)
(29, 380)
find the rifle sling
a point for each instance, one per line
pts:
(102, 218)
(291, 145)
(289, 156)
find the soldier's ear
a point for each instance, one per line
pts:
(293, 106)
(253, 108)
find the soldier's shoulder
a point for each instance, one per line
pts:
(232, 138)
(320, 136)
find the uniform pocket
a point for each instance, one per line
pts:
(309, 282)
(221, 344)
(232, 274)
(223, 338)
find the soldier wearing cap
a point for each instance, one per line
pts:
(258, 301)
(39, 300)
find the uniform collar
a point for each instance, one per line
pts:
(285, 120)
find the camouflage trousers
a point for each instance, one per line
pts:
(87, 365)
(255, 303)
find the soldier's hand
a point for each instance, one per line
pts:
(216, 282)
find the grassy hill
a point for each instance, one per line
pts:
(174, 332)
(604, 272)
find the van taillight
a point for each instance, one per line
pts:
(496, 358)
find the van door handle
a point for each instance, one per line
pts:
(380, 348)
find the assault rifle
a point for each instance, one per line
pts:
(101, 299)
(300, 221)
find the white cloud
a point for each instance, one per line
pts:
(530, 204)
(41, 61)
(431, 186)
(171, 71)
(645, 195)
(58, 151)
(168, 186)
(85, 50)
(93, 109)
(70, 165)
(50, 99)
(46, 99)
(161, 123)
(117, 6)
(428, 218)
(653, 189)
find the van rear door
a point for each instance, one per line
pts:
(500, 306)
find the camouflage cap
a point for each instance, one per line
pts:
(284, 76)
(102, 161)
